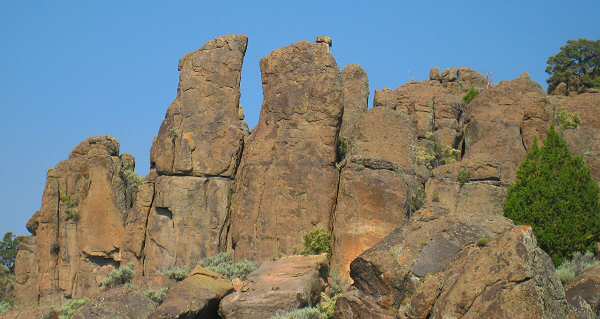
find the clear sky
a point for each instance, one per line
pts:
(74, 69)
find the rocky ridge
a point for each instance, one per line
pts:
(411, 191)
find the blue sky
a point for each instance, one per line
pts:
(74, 69)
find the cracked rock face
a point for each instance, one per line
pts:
(203, 132)
(78, 232)
(287, 179)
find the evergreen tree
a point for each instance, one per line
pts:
(556, 195)
(8, 251)
(577, 65)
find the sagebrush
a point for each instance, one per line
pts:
(118, 277)
(224, 264)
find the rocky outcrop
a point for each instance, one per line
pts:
(355, 92)
(276, 287)
(195, 157)
(79, 231)
(501, 125)
(583, 139)
(197, 296)
(378, 190)
(287, 180)
(203, 131)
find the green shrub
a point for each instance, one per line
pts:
(8, 251)
(72, 215)
(567, 120)
(483, 241)
(177, 273)
(118, 277)
(341, 149)
(223, 264)
(555, 194)
(55, 249)
(574, 267)
(303, 313)
(5, 307)
(156, 296)
(70, 308)
(317, 242)
(132, 178)
(463, 176)
(471, 94)
(577, 64)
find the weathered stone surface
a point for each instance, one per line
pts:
(203, 132)
(79, 231)
(197, 296)
(392, 270)
(287, 180)
(510, 277)
(377, 185)
(353, 305)
(187, 221)
(277, 286)
(587, 287)
(585, 139)
(502, 123)
(121, 303)
(355, 89)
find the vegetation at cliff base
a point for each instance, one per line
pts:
(574, 267)
(118, 277)
(556, 195)
(224, 264)
(577, 65)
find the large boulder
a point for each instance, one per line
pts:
(78, 233)
(197, 296)
(355, 89)
(277, 286)
(121, 303)
(287, 179)
(203, 131)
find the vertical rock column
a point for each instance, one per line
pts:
(194, 159)
(287, 180)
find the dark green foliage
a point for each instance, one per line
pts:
(555, 194)
(463, 176)
(342, 149)
(577, 65)
(317, 242)
(8, 251)
(471, 94)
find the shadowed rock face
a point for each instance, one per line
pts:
(79, 231)
(203, 132)
(287, 180)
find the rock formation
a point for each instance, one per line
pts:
(287, 179)
(411, 191)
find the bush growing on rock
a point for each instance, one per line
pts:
(223, 264)
(5, 307)
(471, 95)
(555, 194)
(177, 273)
(317, 242)
(574, 267)
(118, 277)
(303, 313)
(8, 251)
(156, 296)
(70, 308)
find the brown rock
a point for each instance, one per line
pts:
(197, 296)
(125, 303)
(585, 139)
(502, 123)
(377, 185)
(353, 305)
(277, 286)
(287, 178)
(79, 231)
(507, 278)
(356, 97)
(203, 133)
(187, 221)
(587, 287)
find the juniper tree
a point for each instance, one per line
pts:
(556, 195)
